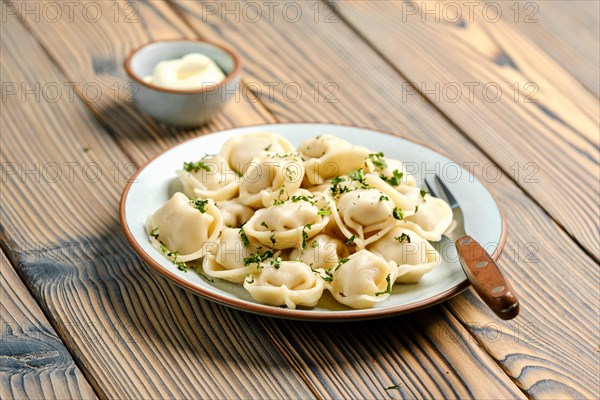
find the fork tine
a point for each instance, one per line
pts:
(447, 193)
(429, 188)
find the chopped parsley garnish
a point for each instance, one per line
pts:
(378, 160)
(424, 193)
(154, 233)
(264, 224)
(350, 241)
(257, 258)
(314, 244)
(324, 212)
(276, 263)
(328, 276)
(336, 188)
(305, 235)
(397, 213)
(358, 175)
(384, 197)
(244, 237)
(416, 208)
(268, 147)
(195, 166)
(403, 237)
(396, 178)
(278, 202)
(388, 289)
(340, 262)
(250, 282)
(272, 239)
(205, 277)
(394, 387)
(296, 199)
(199, 204)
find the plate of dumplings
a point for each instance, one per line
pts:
(307, 221)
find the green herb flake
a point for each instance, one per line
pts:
(416, 208)
(350, 241)
(388, 289)
(424, 193)
(358, 175)
(244, 237)
(397, 213)
(276, 263)
(305, 235)
(324, 212)
(264, 224)
(248, 281)
(257, 258)
(195, 166)
(296, 199)
(328, 276)
(154, 233)
(341, 261)
(199, 204)
(384, 198)
(402, 238)
(272, 239)
(394, 387)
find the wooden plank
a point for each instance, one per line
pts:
(34, 362)
(567, 31)
(134, 334)
(370, 94)
(542, 135)
(484, 377)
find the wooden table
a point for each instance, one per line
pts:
(509, 89)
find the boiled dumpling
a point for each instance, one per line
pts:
(209, 177)
(235, 258)
(413, 255)
(432, 218)
(362, 280)
(235, 214)
(366, 214)
(188, 227)
(239, 151)
(270, 179)
(285, 283)
(286, 225)
(328, 156)
(323, 251)
(390, 170)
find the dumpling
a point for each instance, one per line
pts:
(323, 251)
(285, 283)
(209, 177)
(366, 214)
(287, 225)
(362, 280)
(271, 179)
(413, 255)
(390, 170)
(431, 220)
(235, 258)
(235, 214)
(240, 150)
(328, 156)
(187, 228)
(405, 197)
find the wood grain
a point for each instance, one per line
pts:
(532, 349)
(551, 26)
(34, 362)
(133, 334)
(484, 377)
(526, 132)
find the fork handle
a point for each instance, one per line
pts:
(487, 279)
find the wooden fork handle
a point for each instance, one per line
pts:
(487, 279)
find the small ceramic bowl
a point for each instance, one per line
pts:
(175, 106)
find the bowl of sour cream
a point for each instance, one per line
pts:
(183, 82)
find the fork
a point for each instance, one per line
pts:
(483, 273)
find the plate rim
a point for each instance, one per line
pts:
(296, 314)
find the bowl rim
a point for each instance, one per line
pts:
(228, 78)
(301, 314)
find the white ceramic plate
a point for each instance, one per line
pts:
(153, 185)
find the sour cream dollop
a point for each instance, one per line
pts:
(192, 71)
